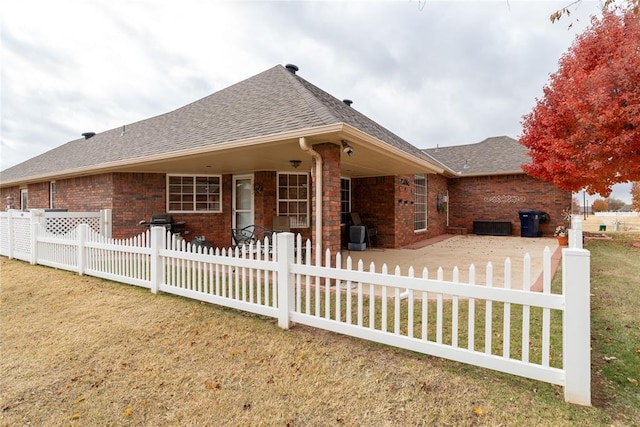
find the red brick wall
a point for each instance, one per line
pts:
(132, 197)
(501, 197)
(38, 195)
(330, 154)
(390, 206)
(374, 199)
(436, 220)
(266, 201)
(14, 192)
(138, 196)
(85, 194)
(264, 197)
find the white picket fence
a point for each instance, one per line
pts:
(16, 239)
(277, 279)
(618, 214)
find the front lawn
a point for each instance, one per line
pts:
(76, 350)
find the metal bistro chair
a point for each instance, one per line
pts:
(243, 237)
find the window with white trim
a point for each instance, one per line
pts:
(345, 200)
(24, 198)
(420, 195)
(52, 194)
(293, 198)
(194, 193)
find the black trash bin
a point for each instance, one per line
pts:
(530, 223)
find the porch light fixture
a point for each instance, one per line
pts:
(346, 148)
(9, 201)
(295, 163)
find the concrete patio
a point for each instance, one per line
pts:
(448, 251)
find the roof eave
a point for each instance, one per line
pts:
(114, 166)
(316, 131)
(478, 174)
(430, 166)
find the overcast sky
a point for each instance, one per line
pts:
(435, 72)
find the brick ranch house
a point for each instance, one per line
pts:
(267, 147)
(489, 185)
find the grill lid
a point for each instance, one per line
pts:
(161, 218)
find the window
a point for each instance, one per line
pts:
(345, 200)
(194, 193)
(293, 198)
(420, 215)
(52, 194)
(24, 196)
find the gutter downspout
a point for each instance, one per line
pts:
(318, 181)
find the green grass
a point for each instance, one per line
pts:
(615, 325)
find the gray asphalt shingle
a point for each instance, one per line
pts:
(271, 102)
(496, 155)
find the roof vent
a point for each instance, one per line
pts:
(292, 68)
(348, 102)
(88, 135)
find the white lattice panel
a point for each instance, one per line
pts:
(22, 238)
(65, 225)
(4, 235)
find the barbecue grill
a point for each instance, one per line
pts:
(163, 220)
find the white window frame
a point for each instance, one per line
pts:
(294, 220)
(24, 199)
(194, 193)
(342, 212)
(52, 194)
(420, 201)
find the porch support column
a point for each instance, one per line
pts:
(330, 195)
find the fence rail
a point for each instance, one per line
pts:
(501, 326)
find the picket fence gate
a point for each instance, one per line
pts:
(427, 315)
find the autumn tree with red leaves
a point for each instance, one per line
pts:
(585, 131)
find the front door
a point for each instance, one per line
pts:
(242, 201)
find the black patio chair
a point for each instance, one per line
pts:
(371, 232)
(251, 234)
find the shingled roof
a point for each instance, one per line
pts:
(498, 155)
(272, 102)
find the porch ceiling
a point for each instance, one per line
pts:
(367, 160)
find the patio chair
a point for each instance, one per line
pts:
(250, 234)
(371, 232)
(281, 223)
(243, 236)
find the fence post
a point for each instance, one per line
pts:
(576, 284)
(37, 219)
(34, 243)
(285, 279)
(10, 231)
(83, 231)
(575, 233)
(105, 223)
(158, 236)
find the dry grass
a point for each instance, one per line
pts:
(627, 224)
(84, 351)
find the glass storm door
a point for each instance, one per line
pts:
(242, 201)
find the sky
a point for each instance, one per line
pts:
(433, 72)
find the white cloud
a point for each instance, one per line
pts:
(446, 73)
